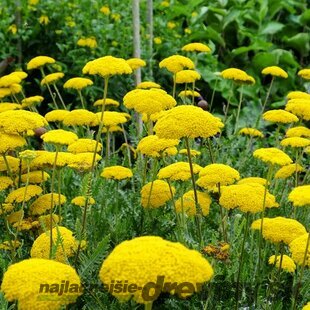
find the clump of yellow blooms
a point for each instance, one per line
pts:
(51, 78)
(196, 47)
(307, 306)
(300, 196)
(24, 193)
(188, 93)
(295, 142)
(83, 161)
(142, 259)
(288, 170)
(39, 61)
(237, 75)
(287, 263)
(187, 203)
(22, 282)
(254, 180)
(90, 42)
(12, 161)
(275, 71)
(47, 159)
(6, 106)
(251, 132)
(280, 116)
(84, 146)
(34, 177)
(78, 83)
(298, 95)
(44, 203)
(272, 156)
(135, 63)
(178, 171)
(147, 85)
(299, 107)
(193, 153)
(304, 73)
(112, 118)
(280, 229)
(9, 142)
(56, 115)
(45, 221)
(155, 194)
(299, 131)
(116, 173)
(247, 197)
(81, 117)
(187, 121)
(5, 182)
(298, 248)
(107, 102)
(59, 136)
(80, 201)
(187, 76)
(27, 102)
(176, 63)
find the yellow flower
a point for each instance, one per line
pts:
(105, 10)
(247, 197)
(26, 224)
(154, 146)
(158, 40)
(107, 66)
(187, 203)
(275, 71)
(272, 156)
(39, 61)
(148, 101)
(192, 152)
(116, 17)
(80, 201)
(178, 171)
(23, 281)
(5, 182)
(171, 25)
(298, 95)
(63, 241)
(44, 203)
(251, 132)
(8, 80)
(280, 229)
(34, 177)
(56, 115)
(295, 142)
(6, 208)
(287, 263)
(257, 180)
(237, 75)
(298, 248)
(44, 20)
(13, 164)
(298, 131)
(4, 92)
(280, 116)
(33, 2)
(59, 136)
(155, 194)
(107, 102)
(214, 174)
(188, 93)
(304, 73)
(299, 107)
(112, 118)
(27, 102)
(176, 63)
(51, 78)
(13, 29)
(147, 85)
(44, 221)
(9, 142)
(165, 4)
(187, 30)
(136, 63)
(84, 146)
(288, 170)
(46, 159)
(9, 246)
(116, 173)
(81, 117)
(89, 42)
(171, 260)
(187, 121)
(23, 194)
(9, 106)
(78, 83)
(300, 196)
(187, 76)
(83, 161)
(196, 47)
(15, 89)
(20, 74)
(307, 306)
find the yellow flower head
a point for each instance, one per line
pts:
(280, 116)
(46, 159)
(78, 83)
(107, 66)
(52, 78)
(5, 182)
(15, 89)
(9, 106)
(84, 146)
(299, 107)
(89, 42)
(272, 156)
(154, 146)
(34, 177)
(12, 28)
(22, 281)
(187, 76)
(298, 95)
(44, 20)
(8, 246)
(8, 80)
(44, 203)
(196, 47)
(23, 194)
(275, 71)
(112, 118)
(280, 229)
(298, 248)
(81, 117)
(178, 171)
(63, 241)
(56, 115)
(4, 92)
(193, 153)
(257, 180)
(59, 136)
(169, 259)
(251, 132)
(214, 174)
(288, 170)
(27, 102)
(300, 196)
(45, 221)
(10, 142)
(287, 263)
(295, 142)
(299, 131)
(187, 203)
(116, 173)
(248, 197)
(188, 93)
(187, 121)
(39, 61)
(20, 122)
(20, 74)
(158, 40)
(176, 63)
(155, 194)
(136, 63)
(237, 75)
(148, 101)
(13, 164)
(147, 85)
(83, 161)
(171, 25)
(304, 73)
(105, 10)
(80, 201)
(107, 102)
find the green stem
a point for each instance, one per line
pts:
(239, 109)
(107, 152)
(148, 306)
(59, 96)
(49, 89)
(222, 216)
(228, 104)
(267, 95)
(210, 150)
(174, 85)
(81, 98)
(153, 179)
(193, 97)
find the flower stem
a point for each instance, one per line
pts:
(148, 306)
(49, 89)
(174, 85)
(59, 96)
(81, 98)
(239, 108)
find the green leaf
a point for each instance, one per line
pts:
(305, 17)
(264, 59)
(272, 28)
(300, 42)
(258, 45)
(278, 104)
(230, 17)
